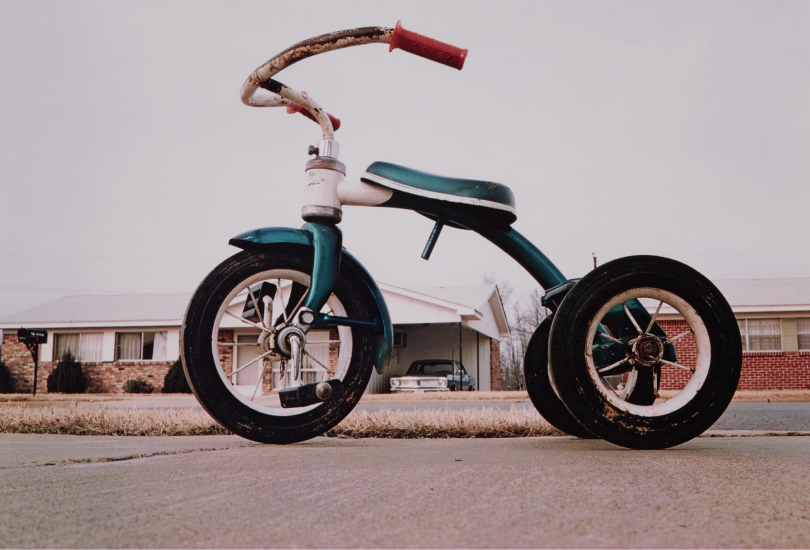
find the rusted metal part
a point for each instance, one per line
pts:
(320, 44)
(262, 78)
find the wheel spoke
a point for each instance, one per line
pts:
(631, 384)
(652, 321)
(256, 307)
(330, 371)
(323, 342)
(235, 344)
(251, 323)
(258, 382)
(246, 365)
(283, 305)
(613, 366)
(633, 319)
(611, 389)
(681, 335)
(300, 300)
(611, 338)
(676, 365)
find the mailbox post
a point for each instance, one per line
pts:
(32, 338)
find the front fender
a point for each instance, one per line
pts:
(258, 239)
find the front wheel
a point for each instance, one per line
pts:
(232, 345)
(645, 325)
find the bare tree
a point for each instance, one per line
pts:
(524, 314)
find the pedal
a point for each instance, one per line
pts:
(310, 394)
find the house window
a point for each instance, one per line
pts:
(761, 334)
(803, 332)
(135, 346)
(400, 340)
(84, 346)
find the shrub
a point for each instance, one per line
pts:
(138, 385)
(6, 383)
(175, 380)
(67, 377)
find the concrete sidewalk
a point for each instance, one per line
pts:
(70, 491)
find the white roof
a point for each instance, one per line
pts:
(473, 296)
(759, 298)
(477, 306)
(766, 292)
(473, 305)
(106, 310)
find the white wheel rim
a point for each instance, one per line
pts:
(270, 404)
(702, 353)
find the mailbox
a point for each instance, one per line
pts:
(32, 336)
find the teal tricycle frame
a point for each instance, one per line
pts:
(600, 326)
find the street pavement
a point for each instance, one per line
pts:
(222, 491)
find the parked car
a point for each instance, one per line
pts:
(433, 375)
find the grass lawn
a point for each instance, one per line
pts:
(61, 414)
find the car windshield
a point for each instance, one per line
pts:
(435, 367)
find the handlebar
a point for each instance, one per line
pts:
(283, 95)
(429, 48)
(291, 109)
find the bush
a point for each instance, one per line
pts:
(67, 377)
(138, 385)
(6, 383)
(175, 380)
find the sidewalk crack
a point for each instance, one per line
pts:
(100, 460)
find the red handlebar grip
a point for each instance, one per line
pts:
(300, 109)
(428, 48)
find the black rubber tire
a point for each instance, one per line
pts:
(570, 372)
(202, 370)
(538, 385)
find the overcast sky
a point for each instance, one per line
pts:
(127, 161)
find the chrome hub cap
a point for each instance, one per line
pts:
(283, 339)
(647, 350)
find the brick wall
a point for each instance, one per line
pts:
(763, 370)
(495, 371)
(18, 359)
(225, 352)
(111, 377)
(105, 377)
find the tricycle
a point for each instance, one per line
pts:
(642, 351)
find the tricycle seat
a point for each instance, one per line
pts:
(494, 199)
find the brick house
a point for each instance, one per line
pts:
(124, 337)
(773, 316)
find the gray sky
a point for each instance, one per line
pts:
(127, 160)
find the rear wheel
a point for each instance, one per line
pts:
(661, 328)
(538, 385)
(236, 362)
